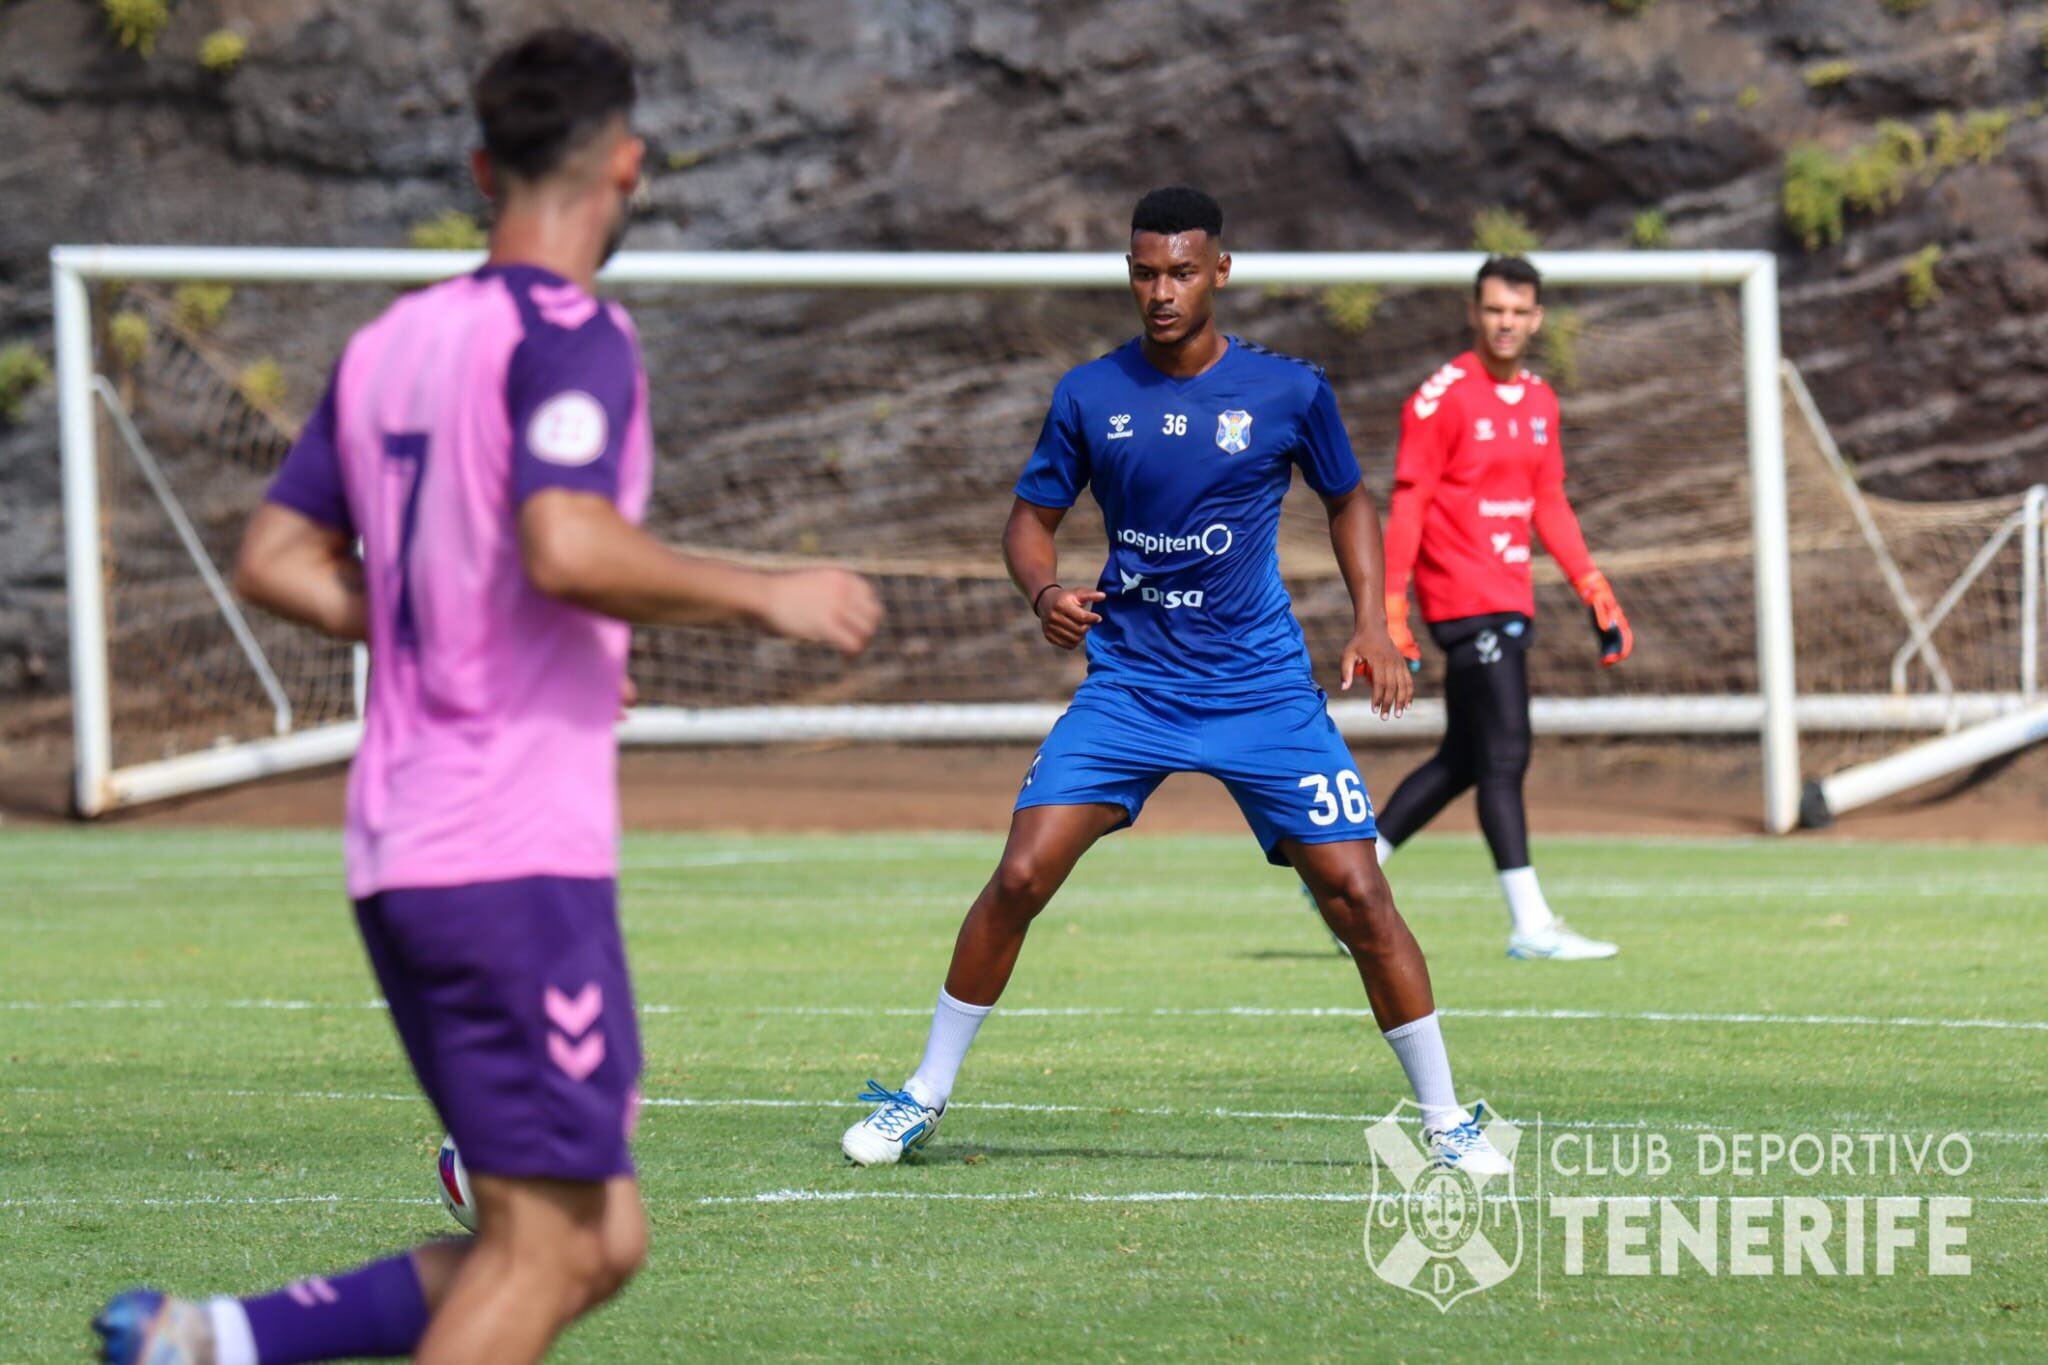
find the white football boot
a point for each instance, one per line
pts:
(1558, 943)
(1465, 1147)
(899, 1126)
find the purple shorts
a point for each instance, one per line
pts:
(513, 1002)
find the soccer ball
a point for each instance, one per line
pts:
(455, 1185)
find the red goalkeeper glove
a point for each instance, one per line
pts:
(1398, 632)
(1617, 641)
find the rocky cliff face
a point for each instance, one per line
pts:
(910, 124)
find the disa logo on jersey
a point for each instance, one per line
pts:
(1171, 599)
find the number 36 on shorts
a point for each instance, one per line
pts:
(1348, 798)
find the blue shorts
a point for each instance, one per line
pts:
(1279, 753)
(514, 1005)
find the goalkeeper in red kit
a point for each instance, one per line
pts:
(1480, 467)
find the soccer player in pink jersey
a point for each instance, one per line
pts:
(487, 440)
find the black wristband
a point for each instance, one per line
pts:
(1041, 597)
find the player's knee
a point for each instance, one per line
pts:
(1360, 907)
(1022, 885)
(1458, 762)
(625, 1247)
(1507, 759)
(595, 1263)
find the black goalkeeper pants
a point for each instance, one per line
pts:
(1486, 737)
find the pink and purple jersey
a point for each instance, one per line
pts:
(488, 750)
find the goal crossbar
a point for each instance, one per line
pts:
(1771, 713)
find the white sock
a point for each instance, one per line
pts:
(1528, 912)
(954, 1024)
(233, 1342)
(1385, 848)
(1419, 1047)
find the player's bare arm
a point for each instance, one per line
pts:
(1033, 561)
(1355, 536)
(578, 548)
(297, 568)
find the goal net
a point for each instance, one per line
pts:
(877, 416)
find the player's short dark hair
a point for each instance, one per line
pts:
(1513, 270)
(541, 98)
(1175, 209)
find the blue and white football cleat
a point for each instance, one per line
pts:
(1465, 1147)
(899, 1126)
(145, 1327)
(1558, 943)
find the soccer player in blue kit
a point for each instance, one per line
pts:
(1188, 439)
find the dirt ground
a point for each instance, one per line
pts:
(1577, 787)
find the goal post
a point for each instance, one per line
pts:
(952, 574)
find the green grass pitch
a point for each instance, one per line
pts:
(1157, 1149)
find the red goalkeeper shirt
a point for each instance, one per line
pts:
(1480, 467)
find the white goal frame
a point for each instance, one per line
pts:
(1776, 713)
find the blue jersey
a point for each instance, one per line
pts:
(1189, 474)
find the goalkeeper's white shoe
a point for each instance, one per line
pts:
(899, 1126)
(1466, 1148)
(1558, 943)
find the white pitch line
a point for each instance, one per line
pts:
(799, 1196)
(1117, 1011)
(1353, 1012)
(1417, 892)
(153, 1202)
(1255, 1115)
(794, 1196)
(1017, 1107)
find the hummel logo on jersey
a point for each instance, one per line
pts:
(1432, 392)
(1509, 552)
(1120, 427)
(1234, 431)
(1482, 428)
(1131, 580)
